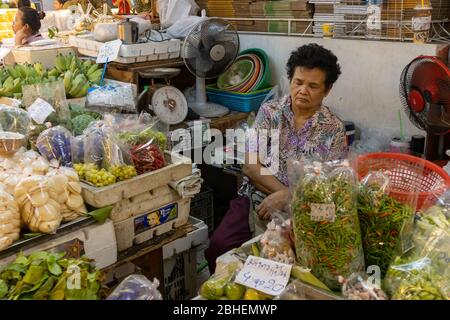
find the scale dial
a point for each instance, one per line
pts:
(169, 105)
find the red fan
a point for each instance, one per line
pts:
(425, 95)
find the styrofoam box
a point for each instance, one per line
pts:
(45, 55)
(130, 50)
(153, 57)
(99, 242)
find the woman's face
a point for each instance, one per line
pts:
(308, 88)
(17, 23)
(57, 5)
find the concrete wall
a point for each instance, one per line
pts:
(367, 91)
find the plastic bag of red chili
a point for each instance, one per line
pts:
(147, 157)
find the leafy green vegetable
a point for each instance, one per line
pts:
(101, 214)
(34, 274)
(3, 289)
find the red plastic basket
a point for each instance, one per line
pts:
(408, 175)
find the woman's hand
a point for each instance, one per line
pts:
(274, 201)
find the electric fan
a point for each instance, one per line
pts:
(208, 50)
(425, 95)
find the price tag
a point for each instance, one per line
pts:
(421, 23)
(323, 212)
(264, 275)
(109, 51)
(4, 52)
(40, 110)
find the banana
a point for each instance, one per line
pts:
(86, 65)
(17, 86)
(12, 71)
(77, 85)
(8, 84)
(67, 80)
(22, 71)
(39, 68)
(73, 65)
(83, 91)
(92, 69)
(53, 73)
(60, 63)
(96, 76)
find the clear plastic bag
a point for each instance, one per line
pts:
(54, 94)
(14, 128)
(136, 287)
(181, 28)
(171, 11)
(293, 291)
(275, 242)
(422, 273)
(9, 220)
(384, 221)
(325, 219)
(55, 143)
(111, 98)
(64, 185)
(39, 210)
(221, 285)
(358, 287)
(147, 157)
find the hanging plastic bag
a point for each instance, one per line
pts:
(422, 273)
(384, 221)
(357, 287)
(275, 242)
(325, 219)
(136, 287)
(9, 220)
(55, 143)
(181, 28)
(170, 11)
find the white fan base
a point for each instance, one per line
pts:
(208, 109)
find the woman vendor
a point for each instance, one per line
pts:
(305, 126)
(26, 26)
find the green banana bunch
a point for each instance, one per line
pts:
(67, 80)
(60, 63)
(77, 85)
(95, 76)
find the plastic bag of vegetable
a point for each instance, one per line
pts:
(422, 273)
(385, 221)
(325, 219)
(55, 143)
(275, 242)
(221, 284)
(358, 287)
(136, 287)
(9, 220)
(113, 97)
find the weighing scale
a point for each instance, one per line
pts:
(167, 102)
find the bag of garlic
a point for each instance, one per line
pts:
(39, 209)
(9, 220)
(65, 187)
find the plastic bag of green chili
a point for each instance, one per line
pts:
(422, 273)
(325, 219)
(385, 222)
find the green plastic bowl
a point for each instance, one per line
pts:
(265, 79)
(239, 72)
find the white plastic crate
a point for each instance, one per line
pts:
(180, 263)
(97, 240)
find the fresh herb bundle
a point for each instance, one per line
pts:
(332, 246)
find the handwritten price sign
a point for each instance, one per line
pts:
(109, 51)
(264, 275)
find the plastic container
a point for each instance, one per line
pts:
(243, 102)
(398, 146)
(265, 80)
(408, 174)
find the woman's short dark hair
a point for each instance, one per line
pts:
(314, 56)
(23, 3)
(31, 17)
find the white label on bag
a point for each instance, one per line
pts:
(373, 17)
(4, 52)
(40, 110)
(421, 23)
(264, 275)
(323, 212)
(109, 51)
